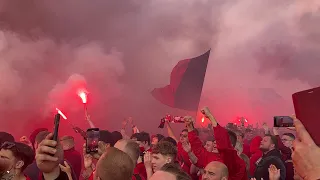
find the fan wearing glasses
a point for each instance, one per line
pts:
(18, 156)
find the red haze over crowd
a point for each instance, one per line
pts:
(262, 52)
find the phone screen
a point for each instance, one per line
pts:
(93, 136)
(306, 105)
(283, 121)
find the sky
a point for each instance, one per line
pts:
(262, 52)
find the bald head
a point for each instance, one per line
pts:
(215, 171)
(130, 147)
(114, 164)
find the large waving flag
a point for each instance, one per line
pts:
(186, 84)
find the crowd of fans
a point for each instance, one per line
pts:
(215, 153)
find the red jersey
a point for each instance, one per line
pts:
(236, 166)
(256, 153)
(141, 170)
(227, 154)
(183, 158)
(204, 157)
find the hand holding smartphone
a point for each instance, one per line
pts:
(55, 131)
(92, 140)
(306, 105)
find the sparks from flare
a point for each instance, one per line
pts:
(242, 118)
(61, 114)
(83, 96)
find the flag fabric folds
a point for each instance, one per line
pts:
(186, 84)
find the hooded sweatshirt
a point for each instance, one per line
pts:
(256, 153)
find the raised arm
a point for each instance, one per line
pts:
(284, 150)
(196, 145)
(123, 129)
(236, 166)
(170, 132)
(220, 133)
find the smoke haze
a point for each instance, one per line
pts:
(262, 52)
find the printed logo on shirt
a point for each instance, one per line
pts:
(258, 161)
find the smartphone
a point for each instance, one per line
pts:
(56, 127)
(306, 105)
(92, 140)
(282, 121)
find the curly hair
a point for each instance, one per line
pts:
(165, 148)
(169, 139)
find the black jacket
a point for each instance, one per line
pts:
(263, 164)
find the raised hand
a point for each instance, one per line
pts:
(87, 158)
(188, 121)
(48, 154)
(275, 131)
(130, 120)
(65, 168)
(124, 123)
(186, 146)
(274, 173)
(101, 149)
(306, 154)
(265, 128)
(147, 160)
(206, 112)
(46, 150)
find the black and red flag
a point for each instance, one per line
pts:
(186, 84)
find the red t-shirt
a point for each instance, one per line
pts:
(141, 170)
(183, 158)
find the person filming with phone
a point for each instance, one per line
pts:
(49, 155)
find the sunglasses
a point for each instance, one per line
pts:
(8, 145)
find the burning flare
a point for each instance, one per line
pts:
(202, 120)
(61, 114)
(83, 95)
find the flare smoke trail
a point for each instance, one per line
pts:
(271, 45)
(123, 49)
(39, 75)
